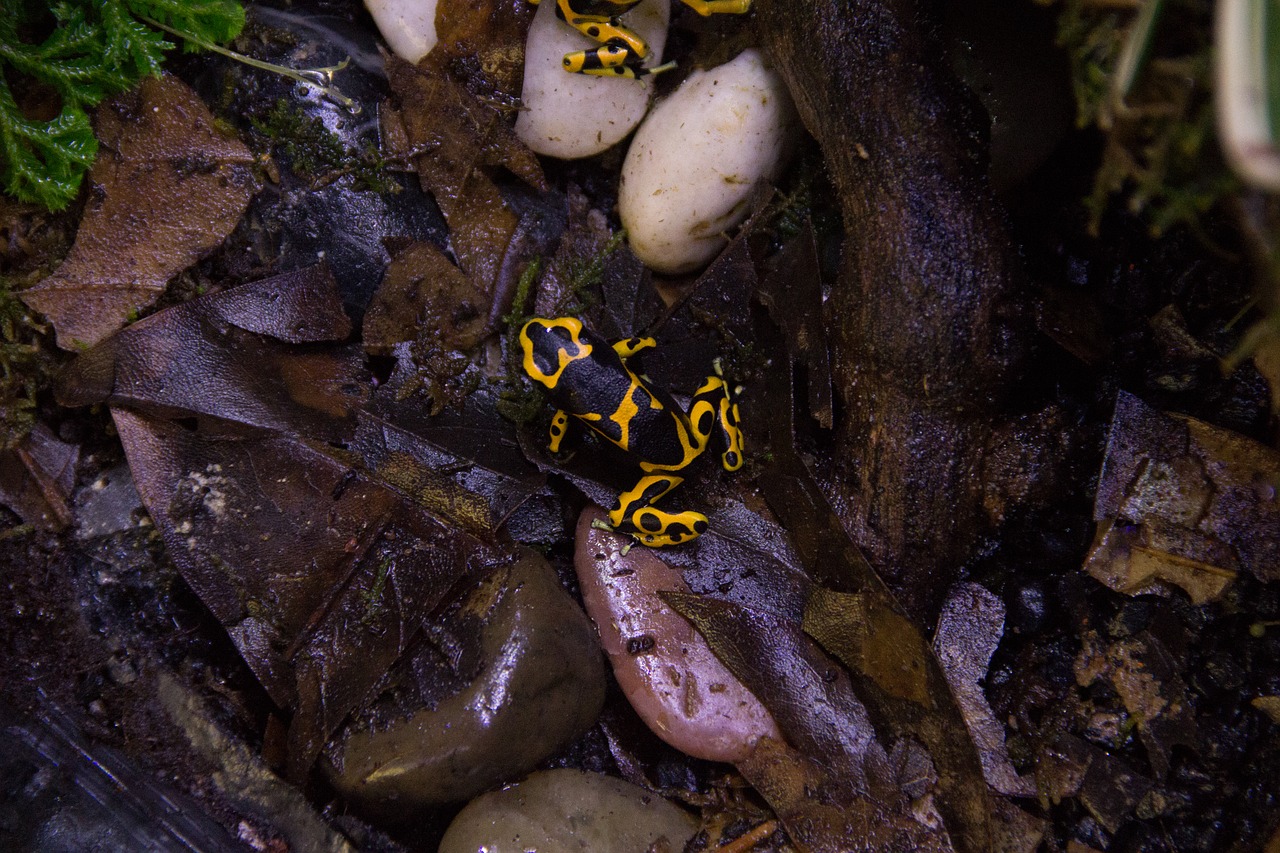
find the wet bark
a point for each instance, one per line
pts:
(928, 336)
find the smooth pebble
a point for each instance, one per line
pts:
(408, 26)
(666, 669)
(569, 811)
(569, 116)
(697, 159)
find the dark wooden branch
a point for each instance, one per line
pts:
(926, 320)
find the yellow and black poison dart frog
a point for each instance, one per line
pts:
(590, 380)
(621, 50)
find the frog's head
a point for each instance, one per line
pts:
(550, 346)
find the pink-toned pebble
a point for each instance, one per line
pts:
(665, 668)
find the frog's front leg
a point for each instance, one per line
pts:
(558, 430)
(719, 7)
(635, 515)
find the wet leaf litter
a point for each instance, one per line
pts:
(343, 521)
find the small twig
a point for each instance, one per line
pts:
(320, 78)
(747, 840)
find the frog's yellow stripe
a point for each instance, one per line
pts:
(713, 383)
(559, 429)
(564, 357)
(626, 410)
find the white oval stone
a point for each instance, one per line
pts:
(408, 26)
(697, 159)
(577, 115)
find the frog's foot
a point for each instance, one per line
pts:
(636, 516)
(601, 524)
(718, 7)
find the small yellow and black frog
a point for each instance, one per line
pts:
(621, 50)
(590, 380)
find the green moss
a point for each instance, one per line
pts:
(586, 274)
(316, 153)
(25, 368)
(1143, 76)
(73, 54)
(372, 597)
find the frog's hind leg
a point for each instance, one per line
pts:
(714, 411)
(605, 61)
(635, 515)
(719, 7)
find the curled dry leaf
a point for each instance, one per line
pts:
(231, 356)
(1105, 785)
(969, 630)
(167, 189)
(319, 574)
(1145, 671)
(854, 617)
(1183, 502)
(832, 780)
(422, 287)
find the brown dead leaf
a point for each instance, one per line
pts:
(167, 189)
(36, 478)
(319, 573)
(833, 779)
(236, 420)
(855, 618)
(454, 140)
(1103, 784)
(423, 292)
(1146, 674)
(1134, 559)
(233, 356)
(969, 631)
(1269, 705)
(486, 34)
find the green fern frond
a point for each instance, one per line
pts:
(93, 50)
